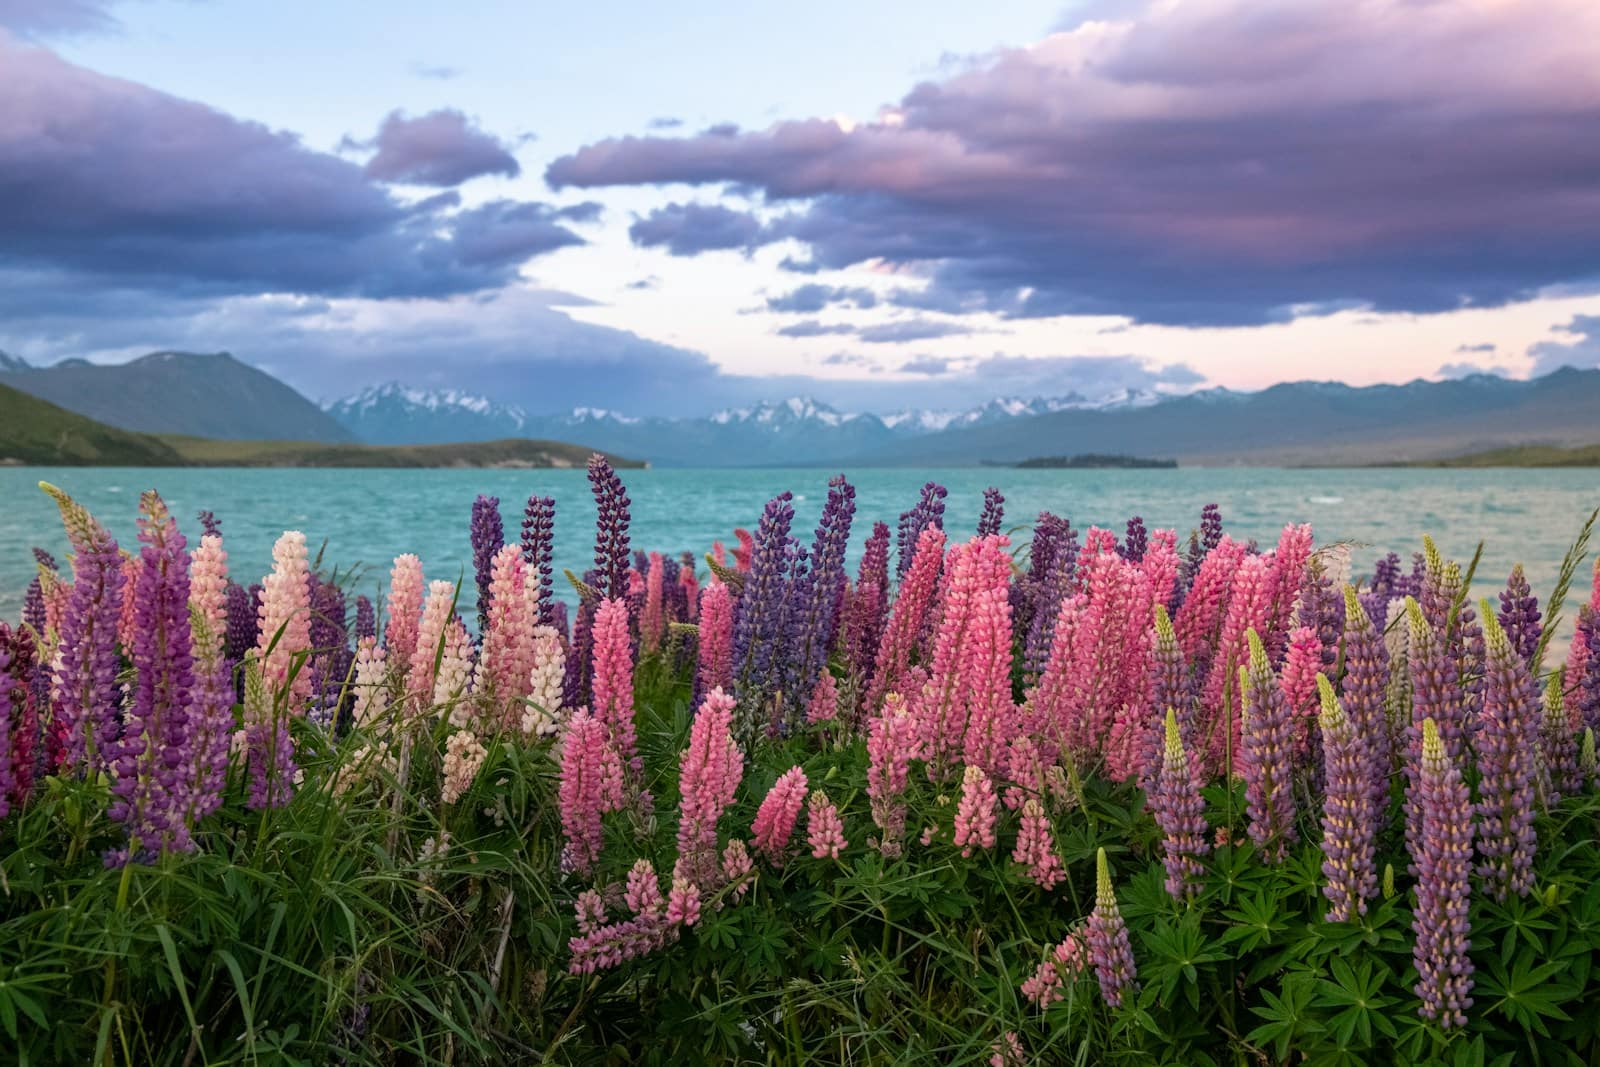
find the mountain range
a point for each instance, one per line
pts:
(1294, 423)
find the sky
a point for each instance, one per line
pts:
(666, 209)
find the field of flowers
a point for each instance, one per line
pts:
(1008, 796)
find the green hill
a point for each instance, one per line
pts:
(1525, 456)
(34, 431)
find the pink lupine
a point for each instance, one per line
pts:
(975, 812)
(715, 668)
(208, 595)
(613, 680)
(907, 617)
(423, 669)
(612, 945)
(1578, 653)
(824, 703)
(708, 776)
(1007, 1051)
(1288, 570)
(1036, 847)
(1067, 962)
(1298, 680)
(736, 867)
(1199, 622)
(1248, 605)
(643, 892)
(212, 712)
(691, 592)
(508, 642)
(405, 605)
(653, 620)
(1025, 769)
(453, 683)
(683, 903)
(824, 828)
(891, 744)
(591, 785)
(775, 819)
(544, 711)
(371, 682)
(285, 623)
(127, 621)
(991, 719)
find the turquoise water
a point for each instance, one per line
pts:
(369, 516)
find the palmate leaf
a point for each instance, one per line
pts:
(1357, 993)
(1526, 994)
(1258, 920)
(1287, 1017)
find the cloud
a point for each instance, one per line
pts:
(911, 330)
(1208, 163)
(929, 365)
(1464, 369)
(813, 328)
(57, 18)
(434, 72)
(115, 184)
(664, 122)
(1583, 351)
(689, 229)
(813, 298)
(442, 148)
(1467, 349)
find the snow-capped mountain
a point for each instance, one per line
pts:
(392, 413)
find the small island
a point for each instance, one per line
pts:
(1094, 461)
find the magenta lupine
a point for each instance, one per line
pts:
(1067, 962)
(907, 618)
(1351, 812)
(284, 627)
(1442, 855)
(1249, 606)
(613, 681)
(1586, 685)
(1205, 606)
(643, 892)
(1578, 653)
(1179, 811)
(591, 785)
(1110, 948)
(867, 608)
(683, 903)
(708, 776)
(1288, 563)
(1298, 680)
(1036, 847)
(1365, 685)
(990, 718)
(428, 648)
(1267, 754)
(891, 744)
(128, 621)
(1558, 746)
(823, 706)
(12, 696)
(775, 819)
(715, 667)
(1504, 745)
(87, 663)
(25, 677)
(613, 515)
(653, 621)
(976, 811)
(824, 828)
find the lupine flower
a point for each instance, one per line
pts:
(209, 526)
(1007, 1051)
(208, 592)
(405, 606)
(33, 610)
(591, 784)
(708, 776)
(643, 893)
(736, 868)
(744, 551)
(891, 743)
(1588, 680)
(1519, 614)
(463, 756)
(759, 628)
(614, 944)
(715, 667)
(488, 535)
(1558, 746)
(1249, 609)
(824, 828)
(816, 595)
(1065, 964)
(1436, 695)
(1171, 688)
(653, 622)
(909, 615)
(1138, 540)
(1298, 680)
(975, 813)
(611, 528)
(127, 621)
(1504, 744)
(428, 648)
(824, 703)
(12, 696)
(371, 682)
(580, 653)
(366, 619)
(543, 710)
(1442, 855)
(613, 681)
(453, 684)
(928, 511)
(538, 550)
(212, 710)
(508, 641)
(1366, 677)
(1110, 948)
(1288, 573)
(244, 607)
(683, 903)
(775, 819)
(1180, 812)
(269, 764)
(1588, 763)
(1351, 811)
(1036, 847)
(1052, 566)
(1205, 604)
(1268, 754)
(1322, 605)
(1578, 654)
(994, 511)
(284, 626)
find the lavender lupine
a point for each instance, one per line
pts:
(1323, 608)
(1351, 811)
(928, 511)
(488, 536)
(1442, 856)
(1519, 614)
(1110, 948)
(760, 620)
(1504, 747)
(1587, 684)
(86, 665)
(611, 528)
(11, 697)
(1180, 812)
(1365, 684)
(538, 550)
(994, 512)
(1436, 695)
(815, 597)
(1558, 746)
(1267, 740)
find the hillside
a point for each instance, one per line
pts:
(509, 453)
(1525, 456)
(179, 393)
(36, 432)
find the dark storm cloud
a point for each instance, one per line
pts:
(442, 148)
(689, 229)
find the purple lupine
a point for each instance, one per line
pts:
(1442, 856)
(1171, 689)
(1558, 746)
(813, 612)
(1365, 685)
(86, 671)
(1436, 694)
(558, 619)
(928, 511)
(22, 678)
(538, 550)
(150, 773)
(1049, 584)
(1504, 744)
(210, 526)
(269, 764)
(1323, 608)
(760, 622)
(1440, 586)
(1519, 615)
(488, 537)
(1267, 740)
(366, 620)
(611, 529)
(1387, 584)
(1210, 528)
(331, 640)
(1180, 812)
(1137, 542)
(1110, 948)
(244, 609)
(868, 607)
(580, 650)
(1351, 811)
(994, 512)
(1588, 686)
(11, 697)
(33, 605)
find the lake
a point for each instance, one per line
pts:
(367, 517)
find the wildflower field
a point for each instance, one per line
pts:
(1013, 795)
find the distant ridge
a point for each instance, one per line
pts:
(204, 395)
